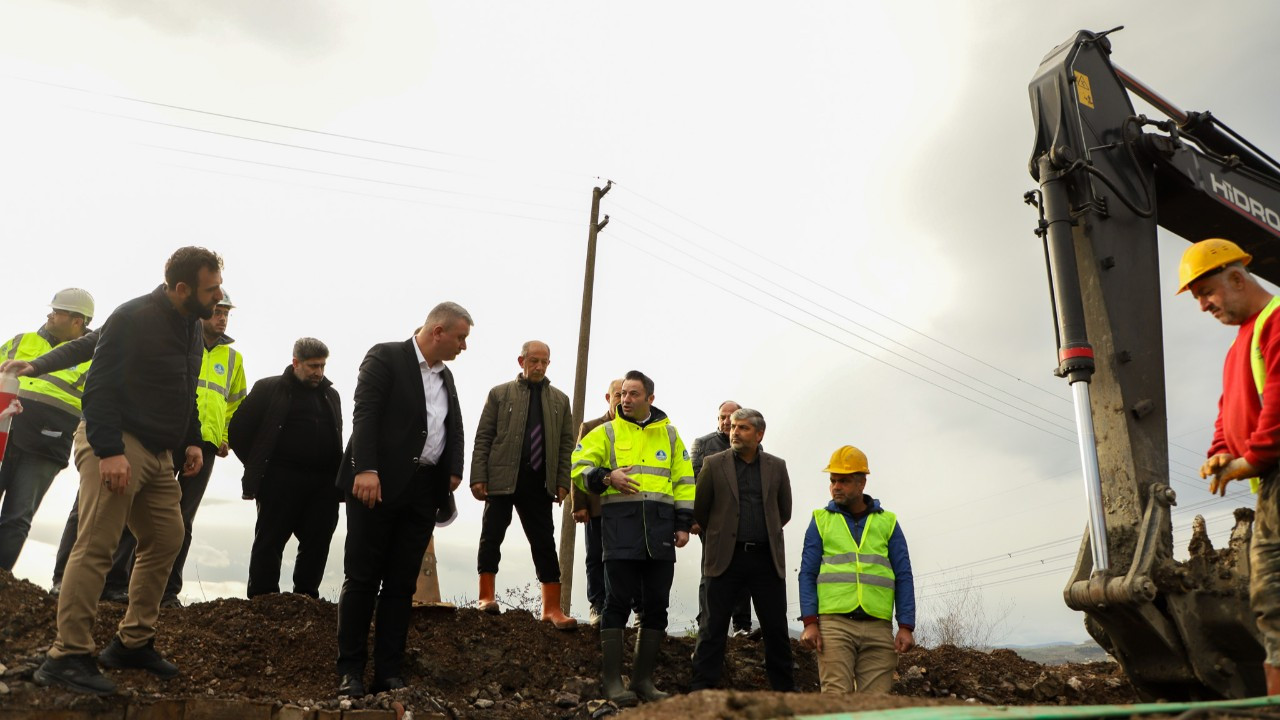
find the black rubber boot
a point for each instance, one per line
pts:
(611, 669)
(647, 644)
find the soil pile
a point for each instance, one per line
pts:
(462, 663)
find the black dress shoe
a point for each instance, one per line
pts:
(386, 684)
(351, 686)
(118, 657)
(74, 672)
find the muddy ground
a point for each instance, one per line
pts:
(462, 663)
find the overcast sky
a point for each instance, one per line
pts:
(817, 213)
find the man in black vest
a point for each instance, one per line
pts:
(402, 462)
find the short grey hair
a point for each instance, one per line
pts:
(524, 349)
(749, 416)
(446, 314)
(729, 402)
(309, 348)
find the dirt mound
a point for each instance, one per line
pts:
(462, 663)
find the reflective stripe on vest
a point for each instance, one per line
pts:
(855, 575)
(62, 390)
(1258, 364)
(219, 389)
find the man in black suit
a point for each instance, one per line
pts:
(403, 460)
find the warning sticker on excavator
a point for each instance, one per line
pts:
(1083, 91)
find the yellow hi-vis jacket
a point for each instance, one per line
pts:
(855, 575)
(642, 525)
(219, 390)
(62, 390)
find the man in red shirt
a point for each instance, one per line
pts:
(1246, 436)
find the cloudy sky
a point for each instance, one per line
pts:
(817, 212)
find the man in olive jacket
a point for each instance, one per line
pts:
(521, 461)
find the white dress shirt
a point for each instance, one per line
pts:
(437, 407)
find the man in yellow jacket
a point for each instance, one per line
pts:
(639, 467)
(40, 440)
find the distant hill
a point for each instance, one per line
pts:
(1057, 653)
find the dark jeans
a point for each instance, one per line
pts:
(193, 489)
(24, 479)
(595, 564)
(648, 580)
(531, 502)
(292, 503)
(741, 607)
(384, 552)
(751, 574)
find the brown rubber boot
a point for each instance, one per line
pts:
(1273, 678)
(551, 608)
(487, 603)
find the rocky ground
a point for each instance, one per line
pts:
(465, 664)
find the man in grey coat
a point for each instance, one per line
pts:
(742, 502)
(521, 462)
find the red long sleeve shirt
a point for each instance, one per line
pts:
(1249, 426)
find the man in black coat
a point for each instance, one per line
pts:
(288, 434)
(402, 462)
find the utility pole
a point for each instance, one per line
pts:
(568, 528)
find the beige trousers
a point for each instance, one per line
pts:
(856, 655)
(150, 508)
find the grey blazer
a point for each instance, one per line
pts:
(715, 508)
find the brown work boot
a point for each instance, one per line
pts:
(1273, 678)
(551, 608)
(487, 603)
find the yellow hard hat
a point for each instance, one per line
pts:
(1207, 255)
(846, 460)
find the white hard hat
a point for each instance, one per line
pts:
(73, 300)
(226, 300)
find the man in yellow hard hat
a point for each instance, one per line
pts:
(1246, 436)
(854, 571)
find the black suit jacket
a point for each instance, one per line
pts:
(389, 423)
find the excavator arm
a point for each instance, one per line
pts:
(1107, 178)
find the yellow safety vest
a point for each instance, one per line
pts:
(219, 391)
(63, 389)
(1258, 364)
(655, 452)
(855, 575)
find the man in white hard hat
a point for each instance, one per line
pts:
(854, 571)
(40, 439)
(1246, 436)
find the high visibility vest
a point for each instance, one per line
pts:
(219, 391)
(658, 459)
(1258, 364)
(855, 575)
(63, 389)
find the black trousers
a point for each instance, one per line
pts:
(648, 580)
(532, 503)
(595, 563)
(384, 552)
(193, 489)
(741, 607)
(293, 503)
(754, 574)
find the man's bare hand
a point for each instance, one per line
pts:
(367, 488)
(582, 516)
(115, 473)
(621, 481)
(812, 637)
(682, 538)
(223, 449)
(561, 493)
(696, 529)
(480, 491)
(904, 640)
(193, 462)
(454, 482)
(21, 368)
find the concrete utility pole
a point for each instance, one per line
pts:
(568, 528)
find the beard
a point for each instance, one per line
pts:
(194, 307)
